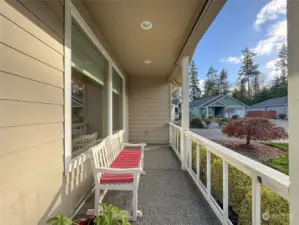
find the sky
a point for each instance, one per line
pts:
(259, 25)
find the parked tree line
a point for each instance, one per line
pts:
(250, 87)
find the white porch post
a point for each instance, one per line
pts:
(293, 99)
(185, 108)
(109, 101)
(207, 112)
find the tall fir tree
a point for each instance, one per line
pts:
(222, 82)
(249, 72)
(282, 65)
(211, 82)
(194, 90)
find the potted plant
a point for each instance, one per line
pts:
(110, 215)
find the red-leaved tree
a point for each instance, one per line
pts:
(257, 129)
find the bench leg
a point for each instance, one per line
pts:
(96, 201)
(134, 205)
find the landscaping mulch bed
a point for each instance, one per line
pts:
(256, 151)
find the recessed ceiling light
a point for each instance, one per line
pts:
(146, 25)
(147, 61)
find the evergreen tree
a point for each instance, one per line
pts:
(211, 82)
(282, 64)
(194, 90)
(249, 71)
(222, 82)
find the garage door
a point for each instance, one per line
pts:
(240, 111)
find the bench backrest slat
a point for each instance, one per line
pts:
(104, 153)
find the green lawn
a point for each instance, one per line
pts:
(282, 163)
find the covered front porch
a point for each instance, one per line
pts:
(167, 195)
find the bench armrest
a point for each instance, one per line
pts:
(134, 171)
(142, 145)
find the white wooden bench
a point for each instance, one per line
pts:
(117, 168)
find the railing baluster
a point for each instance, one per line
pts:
(177, 139)
(209, 173)
(198, 161)
(189, 141)
(225, 192)
(256, 202)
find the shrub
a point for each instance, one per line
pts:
(239, 188)
(196, 123)
(271, 203)
(235, 117)
(211, 118)
(222, 121)
(239, 184)
(258, 129)
(282, 116)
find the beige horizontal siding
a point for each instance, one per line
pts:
(32, 184)
(22, 89)
(20, 15)
(16, 113)
(15, 62)
(41, 10)
(55, 7)
(149, 111)
(29, 136)
(24, 42)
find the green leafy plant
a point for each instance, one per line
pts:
(60, 219)
(196, 123)
(111, 215)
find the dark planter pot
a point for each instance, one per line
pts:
(88, 221)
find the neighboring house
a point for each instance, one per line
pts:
(175, 109)
(280, 105)
(217, 106)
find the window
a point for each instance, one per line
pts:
(87, 70)
(117, 99)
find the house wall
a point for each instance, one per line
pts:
(33, 186)
(149, 112)
(278, 109)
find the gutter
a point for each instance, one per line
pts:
(198, 20)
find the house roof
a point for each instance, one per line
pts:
(175, 101)
(204, 101)
(271, 102)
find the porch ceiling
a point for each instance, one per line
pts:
(172, 20)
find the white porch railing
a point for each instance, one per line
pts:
(260, 174)
(78, 129)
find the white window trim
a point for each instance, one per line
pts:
(71, 12)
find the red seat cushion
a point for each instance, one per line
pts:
(126, 159)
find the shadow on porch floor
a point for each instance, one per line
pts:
(167, 196)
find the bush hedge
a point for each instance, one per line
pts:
(239, 187)
(196, 123)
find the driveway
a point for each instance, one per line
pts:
(282, 123)
(214, 132)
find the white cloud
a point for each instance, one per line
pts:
(201, 84)
(277, 35)
(271, 11)
(271, 64)
(231, 59)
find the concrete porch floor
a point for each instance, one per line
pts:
(167, 196)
